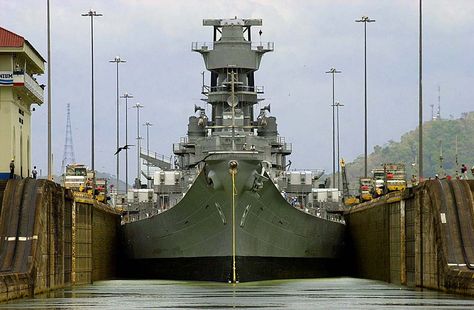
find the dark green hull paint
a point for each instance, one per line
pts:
(198, 230)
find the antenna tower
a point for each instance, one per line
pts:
(438, 115)
(68, 157)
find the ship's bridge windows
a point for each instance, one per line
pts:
(80, 172)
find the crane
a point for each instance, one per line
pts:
(346, 197)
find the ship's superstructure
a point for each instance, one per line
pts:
(232, 94)
(230, 207)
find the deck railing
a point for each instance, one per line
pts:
(23, 79)
(255, 46)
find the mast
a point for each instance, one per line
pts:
(234, 103)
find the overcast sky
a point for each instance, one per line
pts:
(154, 37)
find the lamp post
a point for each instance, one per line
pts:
(338, 104)
(148, 124)
(92, 14)
(420, 98)
(117, 60)
(365, 20)
(50, 158)
(333, 71)
(138, 106)
(126, 96)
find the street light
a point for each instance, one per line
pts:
(365, 20)
(333, 71)
(92, 14)
(50, 155)
(138, 106)
(148, 124)
(126, 96)
(338, 104)
(420, 98)
(117, 60)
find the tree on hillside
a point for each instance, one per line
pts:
(439, 150)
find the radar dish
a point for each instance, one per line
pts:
(232, 101)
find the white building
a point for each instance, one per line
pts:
(19, 63)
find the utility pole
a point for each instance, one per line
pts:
(441, 168)
(365, 20)
(50, 156)
(457, 161)
(138, 106)
(117, 60)
(126, 96)
(92, 14)
(148, 124)
(338, 104)
(333, 71)
(420, 98)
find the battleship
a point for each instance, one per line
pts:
(229, 208)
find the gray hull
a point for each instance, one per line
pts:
(195, 239)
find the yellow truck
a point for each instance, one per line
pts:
(79, 178)
(389, 178)
(366, 187)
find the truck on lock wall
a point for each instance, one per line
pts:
(75, 177)
(79, 178)
(395, 177)
(366, 187)
(389, 178)
(379, 181)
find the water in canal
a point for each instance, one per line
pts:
(334, 293)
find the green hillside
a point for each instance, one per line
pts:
(437, 135)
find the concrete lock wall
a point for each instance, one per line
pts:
(421, 238)
(47, 239)
(105, 241)
(95, 242)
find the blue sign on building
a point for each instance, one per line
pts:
(6, 78)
